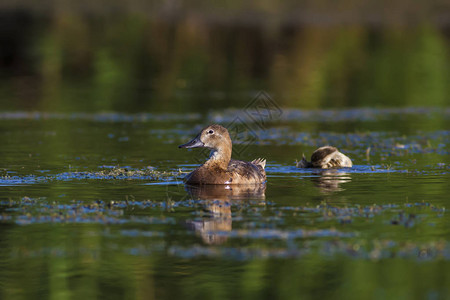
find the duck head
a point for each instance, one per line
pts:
(216, 138)
(213, 137)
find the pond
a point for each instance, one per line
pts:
(96, 96)
(93, 205)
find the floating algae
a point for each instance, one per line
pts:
(115, 173)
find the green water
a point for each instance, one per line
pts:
(378, 230)
(95, 97)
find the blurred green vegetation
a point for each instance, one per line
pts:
(69, 57)
(185, 56)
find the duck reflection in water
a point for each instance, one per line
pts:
(331, 180)
(217, 220)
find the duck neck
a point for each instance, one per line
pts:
(219, 158)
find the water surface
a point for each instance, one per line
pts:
(93, 205)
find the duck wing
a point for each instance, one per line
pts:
(339, 160)
(329, 157)
(248, 172)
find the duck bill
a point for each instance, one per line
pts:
(195, 143)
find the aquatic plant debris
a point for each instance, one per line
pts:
(390, 205)
(338, 115)
(253, 219)
(99, 117)
(116, 173)
(360, 249)
(176, 176)
(228, 115)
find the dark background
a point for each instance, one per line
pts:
(181, 56)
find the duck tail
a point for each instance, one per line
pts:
(260, 162)
(303, 163)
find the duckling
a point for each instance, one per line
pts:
(326, 157)
(220, 168)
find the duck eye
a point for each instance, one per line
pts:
(211, 132)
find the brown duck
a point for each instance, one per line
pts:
(220, 168)
(325, 158)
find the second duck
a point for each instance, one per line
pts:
(326, 157)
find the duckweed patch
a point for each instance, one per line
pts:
(115, 173)
(341, 115)
(326, 229)
(362, 250)
(108, 117)
(122, 173)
